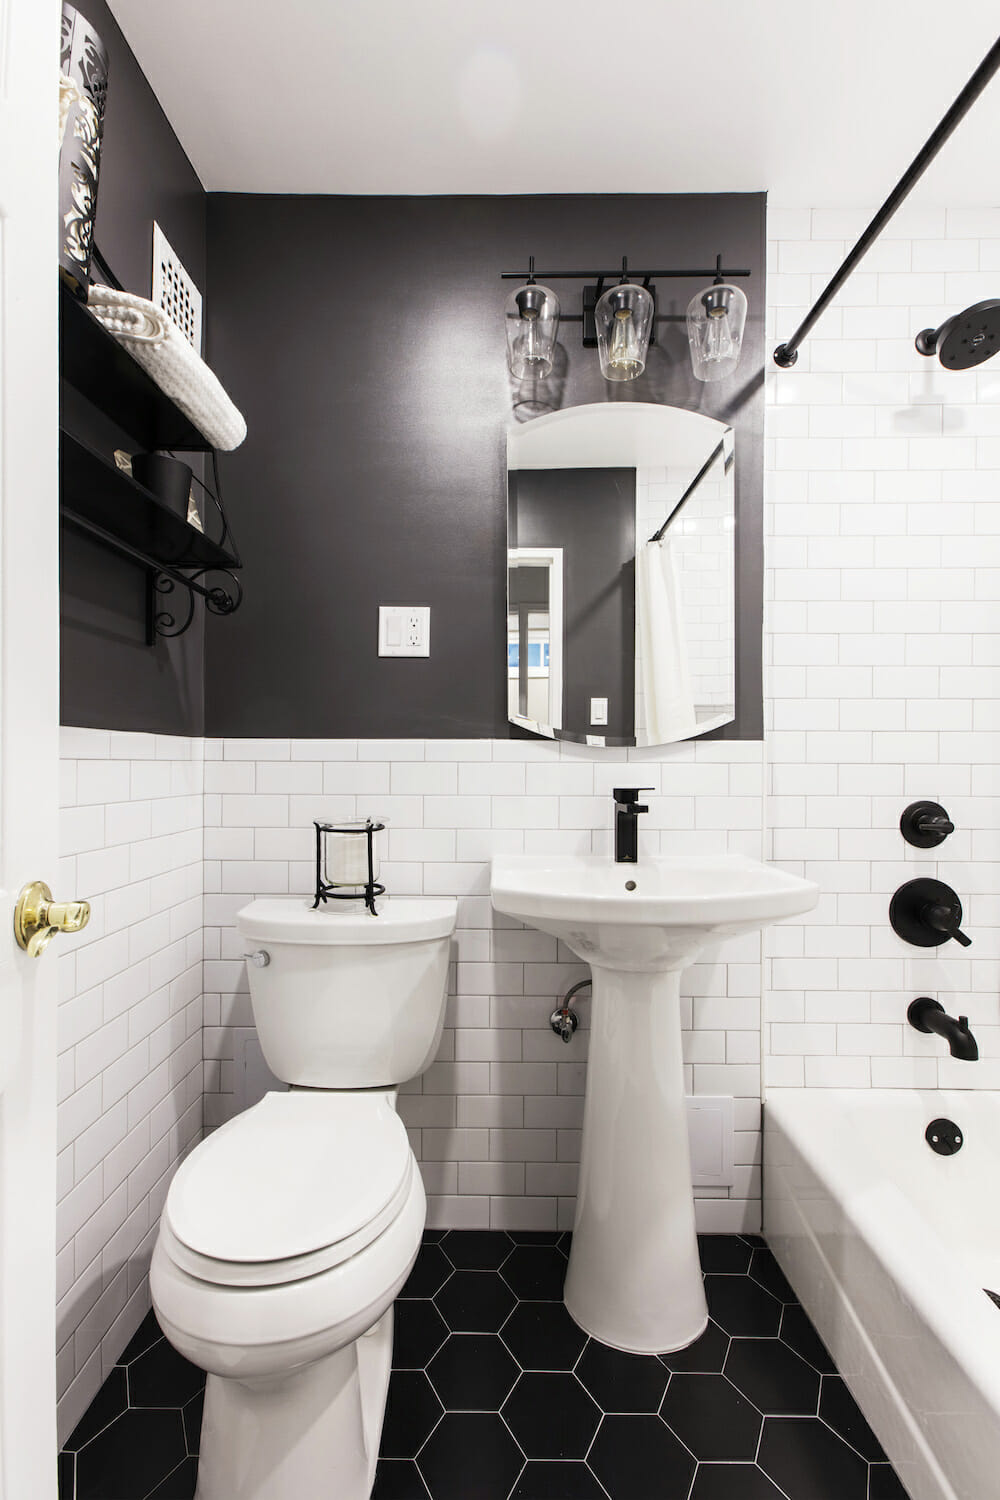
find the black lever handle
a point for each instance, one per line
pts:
(944, 918)
(925, 825)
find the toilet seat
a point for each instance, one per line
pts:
(294, 1186)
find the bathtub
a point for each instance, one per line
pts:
(889, 1246)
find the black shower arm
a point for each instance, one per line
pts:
(786, 354)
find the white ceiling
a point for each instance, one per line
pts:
(817, 103)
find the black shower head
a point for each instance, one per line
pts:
(967, 339)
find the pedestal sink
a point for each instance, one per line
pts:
(634, 1280)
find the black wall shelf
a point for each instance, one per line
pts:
(93, 361)
(98, 498)
(94, 490)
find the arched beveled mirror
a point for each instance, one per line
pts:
(621, 616)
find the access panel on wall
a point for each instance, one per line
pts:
(621, 613)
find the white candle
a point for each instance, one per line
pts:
(347, 857)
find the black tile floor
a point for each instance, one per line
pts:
(497, 1395)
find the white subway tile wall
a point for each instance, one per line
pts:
(495, 1121)
(129, 1031)
(882, 647)
(882, 639)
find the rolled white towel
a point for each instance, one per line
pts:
(157, 344)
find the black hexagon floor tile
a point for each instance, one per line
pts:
(443, 1411)
(418, 1333)
(192, 1414)
(470, 1456)
(398, 1479)
(412, 1412)
(477, 1249)
(473, 1372)
(543, 1336)
(705, 1356)
(622, 1382)
(634, 1456)
(799, 1334)
(733, 1482)
(742, 1307)
(109, 1403)
(765, 1269)
(555, 1480)
(130, 1457)
(146, 1334)
(535, 1273)
(807, 1460)
(475, 1302)
(431, 1270)
(162, 1377)
(883, 1484)
(725, 1253)
(179, 1485)
(773, 1377)
(712, 1418)
(840, 1411)
(551, 1416)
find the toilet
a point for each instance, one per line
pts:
(288, 1232)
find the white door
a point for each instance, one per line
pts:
(29, 736)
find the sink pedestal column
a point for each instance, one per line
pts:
(634, 1278)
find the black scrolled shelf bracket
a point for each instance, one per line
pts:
(220, 599)
(787, 353)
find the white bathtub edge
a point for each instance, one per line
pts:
(818, 1289)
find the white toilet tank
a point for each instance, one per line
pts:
(345, 1000)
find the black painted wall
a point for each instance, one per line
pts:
(109, 678)
(590, 514)
(363, 338)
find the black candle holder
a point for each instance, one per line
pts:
(332, 890)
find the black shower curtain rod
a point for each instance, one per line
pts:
(719, 448)
(786, 354)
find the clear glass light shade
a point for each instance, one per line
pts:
(716, 318)
(624, 319)
(532, 318)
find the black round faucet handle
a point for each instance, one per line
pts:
(927, 913)
(925, 825)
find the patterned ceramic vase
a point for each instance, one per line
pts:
(83, 87)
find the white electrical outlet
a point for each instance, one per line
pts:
(404, 630)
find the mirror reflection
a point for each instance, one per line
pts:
(620, 574)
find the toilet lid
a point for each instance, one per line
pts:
(297, 1173)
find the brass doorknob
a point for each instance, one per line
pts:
(37, 918)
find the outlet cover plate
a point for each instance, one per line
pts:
(404, 630)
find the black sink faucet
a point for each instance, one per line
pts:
(928, 1015)
(627, 810)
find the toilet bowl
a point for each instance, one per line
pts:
(287, 1233)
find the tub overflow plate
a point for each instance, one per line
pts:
(944, 1137)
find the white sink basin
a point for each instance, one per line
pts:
(656, 914)
(634, 1279)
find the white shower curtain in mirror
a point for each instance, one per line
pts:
(666, 683)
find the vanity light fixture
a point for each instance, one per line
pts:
(623, 318)
(716, 318)
(620, 322)
(532, 320)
